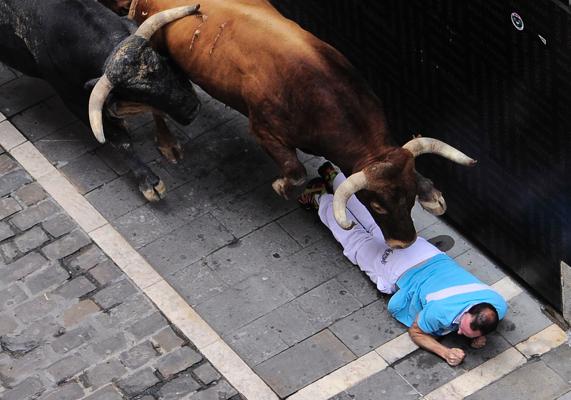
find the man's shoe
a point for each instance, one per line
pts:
(328, 172)
(308, 198)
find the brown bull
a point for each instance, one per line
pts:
(299, 92)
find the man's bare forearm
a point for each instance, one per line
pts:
(427, 342)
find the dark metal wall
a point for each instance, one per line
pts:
(461, 72)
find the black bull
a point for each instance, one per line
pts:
(72, 43)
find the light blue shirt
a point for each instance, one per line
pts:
(438, 291)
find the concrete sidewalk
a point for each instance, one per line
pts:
(267, 277)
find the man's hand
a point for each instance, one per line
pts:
(454, 356)
(478, 342)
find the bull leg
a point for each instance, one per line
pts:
(292, 170)
(429, 197)
(150, 185)
(167, 143)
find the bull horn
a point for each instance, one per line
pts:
(351, 185)
(157, 21)
(96, 101)
(423, 145)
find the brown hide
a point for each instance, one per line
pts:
(297, 91)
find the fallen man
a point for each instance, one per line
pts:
(432, 294)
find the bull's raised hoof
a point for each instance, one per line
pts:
(284, 186)
(153, 192)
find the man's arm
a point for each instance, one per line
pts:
(423, 340)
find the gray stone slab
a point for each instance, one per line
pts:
(220, 391)
(5, 231)
(178, 387)
(421, 218)
(7, 163)
(37, 308)
(13, 180)
(31, 194)
(358, 284)
(177, 361)
(523, 319)
(22, 267)
(141, 226)
(558, 360)
(30, 388)
(105, 273)
(246, 212)
(566, 396)
(67, 143)
(85, 259)
(138, 355)
(148, 325)
(304, 363)
(124, 315)
(35, 214)
(109, 345)
(43, 119)
(480, 266)
(310, 267)
(66, 245)
(305, 227)
(241, 304)
(75, 288)
(6, 75)
(73, 339)
(386, 384)
(8, 206)
(367, 328)
(248, 256)
(138, 382)
(534, 381)
(88, 172)
(186, 245)
(115, 294)
(196, 283)
(113, 158)
(30, 239)
(104, 373)
(461, 244)
(12, 296)
(67, 367)
(116, 198)
(59, 225)
(109, 392)
(51, 276)
(206, 373)
(21, 93)
(167, 340)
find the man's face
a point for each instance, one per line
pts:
(464, 327)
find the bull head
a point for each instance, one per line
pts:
(137, 73)
(388, 189)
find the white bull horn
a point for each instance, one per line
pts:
(423, 145)
(157, 21)
(96, 101)
(351, 185)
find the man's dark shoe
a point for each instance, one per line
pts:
(328, 172)
(308, 198)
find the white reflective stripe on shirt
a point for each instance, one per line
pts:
(454, 290)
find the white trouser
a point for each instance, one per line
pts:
(364, 244)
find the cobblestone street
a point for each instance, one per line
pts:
(220, 291)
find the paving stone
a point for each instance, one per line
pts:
(495, 344)
(59, 225)
(13, 180)
(207, 373)
(421, 218)
(16, 370)
(6, 75)
(480, 266)
(109, 345)
(8, 324)
(37, 308)
(113, 158)
(178, 387)
(7, 164)
(138, 355)
(66, 368)
(186, 245)
(248, 256)
(88, 172)
(148, 325)
(30, 240)
(78, 312)
(523, 319)
(367, 328)
(243, 303)
(304, 363)
(8, 206)
(196, 283)
(306, 228)
(138, 382)
(5, 231)
(461, 244)
(22, 267)
(566, 396)
(43, 119)
(35, 214)
(21, 93)
(75, 288)
(50, 276)
(359, 285)
(11, 296)
(386, 384)
(105, 273)
(116, 198)
(31, 194)
(67, 143)
(221, 391)
(133, 308)
(73, 339)
(541, 383)
(109, 392)
(105, 372)
(167, 340)
(85, 259)
(141, 226)
(70, 391)
(27, 389)
(67, 245)
(177, 361)
(114, 294)
(9, 251)
(311, 267)
(558, 360)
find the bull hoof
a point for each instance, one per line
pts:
(154, 193)
(173, 152)
(281, 187)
